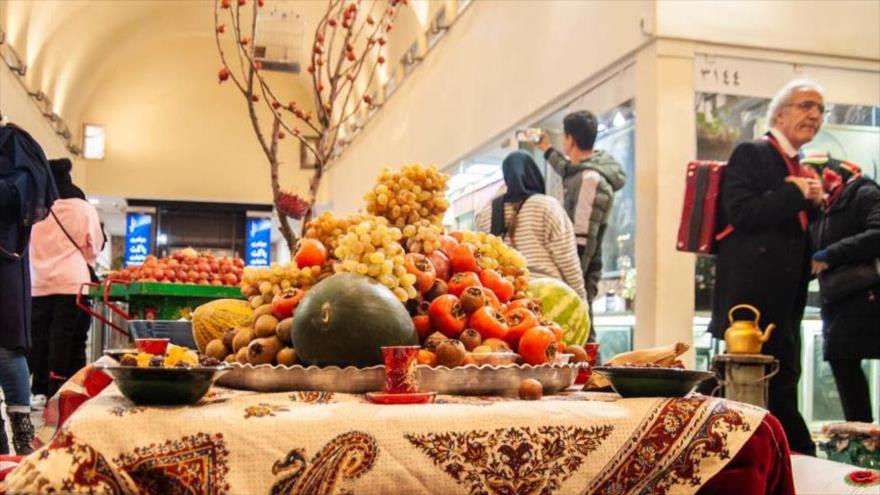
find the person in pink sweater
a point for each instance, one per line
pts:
(63, 251)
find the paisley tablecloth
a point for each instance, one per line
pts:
(239, 442)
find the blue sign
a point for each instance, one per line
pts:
(257, 246)
(138, 238)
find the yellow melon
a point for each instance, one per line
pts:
(211, 320)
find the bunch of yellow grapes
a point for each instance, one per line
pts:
(328, 228)
(413, 193)
(371, 248)
(422, 237)
(492, 253)
(270, 281)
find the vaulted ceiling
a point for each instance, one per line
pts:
(69, 46)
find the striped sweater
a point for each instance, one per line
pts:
(545, 236)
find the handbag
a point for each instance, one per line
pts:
(93, 276)
(839, 283)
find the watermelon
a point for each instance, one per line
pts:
(346, 319)
(561, 304)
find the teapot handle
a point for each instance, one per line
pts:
(744, 306)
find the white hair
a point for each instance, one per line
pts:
(783, 96)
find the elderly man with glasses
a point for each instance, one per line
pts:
(767, 200)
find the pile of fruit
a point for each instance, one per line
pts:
(390, 277)
(260, 336)
(186, 266)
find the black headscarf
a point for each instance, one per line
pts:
(523, 179)
(61, 168)
(23, 165)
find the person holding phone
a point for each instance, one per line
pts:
(590, 178)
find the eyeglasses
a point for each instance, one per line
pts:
(808, 105)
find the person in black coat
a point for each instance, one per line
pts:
(848, 234)
(765, 261)
(27, 191)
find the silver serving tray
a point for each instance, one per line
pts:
(462, 380)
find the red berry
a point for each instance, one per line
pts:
(368, 99)
(241, 3)
(381, 60)
(311, 69)
(255, 98)
(350, 56)
(258, 65)
(260, 3)
(221, 28)
(225, 4)
(381, 41)
(276, 105)
(332, 22)
(223, 74)
(245, 40)
(370, 20)
(280, 135)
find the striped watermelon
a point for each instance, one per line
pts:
(560, 303)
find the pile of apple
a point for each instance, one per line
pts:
(186, 266)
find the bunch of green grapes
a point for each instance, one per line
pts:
(422, 237)
(371, 248)
(493, 253)
(413, 193)
(328, 228)
(270, 281)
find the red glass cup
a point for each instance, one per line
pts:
(157, 347)
(400, 369)
(584, 373)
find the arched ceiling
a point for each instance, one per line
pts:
(70, 45)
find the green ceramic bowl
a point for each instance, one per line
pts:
(652, 382)
(163, 386)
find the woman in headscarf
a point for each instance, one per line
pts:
(27, 192)
(847, 243)
(64, 250)
(533, 223)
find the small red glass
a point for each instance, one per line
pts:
(400, 369)
(584, 373)
(156, 347)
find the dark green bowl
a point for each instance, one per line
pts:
(652, 382)
(163, 386)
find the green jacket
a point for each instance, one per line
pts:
(589, 190)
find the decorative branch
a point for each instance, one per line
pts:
(334, 69)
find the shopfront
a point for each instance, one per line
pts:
(669, 103)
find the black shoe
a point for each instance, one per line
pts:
(22, 432)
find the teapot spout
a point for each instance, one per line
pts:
(766, 335)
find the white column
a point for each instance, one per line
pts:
(665, 142)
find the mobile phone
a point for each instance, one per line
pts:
(529, 135)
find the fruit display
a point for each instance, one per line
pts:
(186, 266)
(394, 276)
(212, 320)
(346, 319)
(561, 304)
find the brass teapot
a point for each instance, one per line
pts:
(743, 336)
